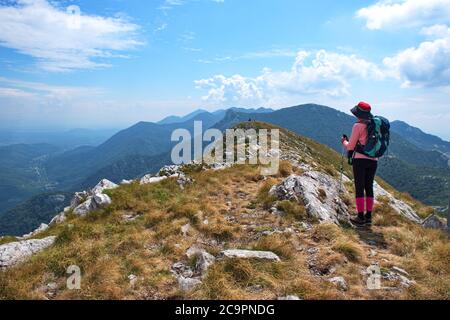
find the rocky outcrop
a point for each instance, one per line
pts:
(101, 200)
(185, 275)
(60, 217)
(398, 275)
(103, 186)
(15, 252)
(189, 277)
(340, 283)
(220, 166)
(84, 208)
(399, 206)
(203, 259)
(435, 222)
(94, 202)
(78, 199)
(87, 201)
(188, 284)
(320, 193)
(172, 171)
(322, 196)
(249, 254)
(150, 179)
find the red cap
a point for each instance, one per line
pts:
(365, 106)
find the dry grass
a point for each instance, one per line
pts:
(322, 194)
(351, 250)
(264, 198)
(285, 169)
(293, 210)
(278, 244)
(228, 208)
(326, 232)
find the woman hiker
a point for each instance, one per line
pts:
(364, 167)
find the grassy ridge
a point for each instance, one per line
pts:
(234, 203)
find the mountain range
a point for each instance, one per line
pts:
(417, 163)
(65, 139)
(219, 114)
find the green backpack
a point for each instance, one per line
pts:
(378, 138)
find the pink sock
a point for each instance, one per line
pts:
(369, 204)
(360, 205)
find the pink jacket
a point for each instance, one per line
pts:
(359, 133)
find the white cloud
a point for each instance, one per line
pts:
(427, 65)
(236, 89)
(169, 4)
(19, 88)
(436, 31)
(60, 40)
(271, 53)
(161, 27)
(405, 13)
(13, 93)
(321, 73)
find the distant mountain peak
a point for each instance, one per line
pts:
(178, 119)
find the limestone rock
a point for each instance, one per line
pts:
(98, 200)
(184, 180)
(340, 283)
(319, 191)
(405, 282)
(399, 275)
(435, 222)
(398, 205)
(59, 218)
(170, 171)
(220, 166)
(101, 200)
(400, 271)
(78, 199)
(133, 279)
(15, 252)
(84, 208)
(185, 229)
(204, 259)
(188, 284)
(102, 186)
(149, 179)
(180, 269)
(185, 276)
(249, 254)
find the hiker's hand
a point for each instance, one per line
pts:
(344, 139)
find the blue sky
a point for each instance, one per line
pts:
(112, 63)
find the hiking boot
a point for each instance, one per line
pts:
(368, 219)
(359, 221)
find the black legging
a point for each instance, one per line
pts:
(364, 171)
